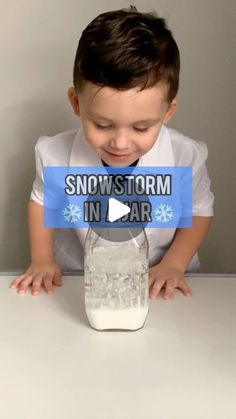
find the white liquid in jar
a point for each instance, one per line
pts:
(129, 318)
(116, 287)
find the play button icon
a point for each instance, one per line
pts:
(116, 209)
(113, 208)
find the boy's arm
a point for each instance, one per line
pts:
(170, 271)
(41, 238)
(186, 242)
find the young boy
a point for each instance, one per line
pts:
(126, 75)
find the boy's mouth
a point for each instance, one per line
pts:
(116, 155)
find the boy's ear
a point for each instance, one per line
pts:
(170, 111)
(72, 96)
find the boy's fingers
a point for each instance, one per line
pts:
(37, 281)
(17, 281)
(169, 288)
(185, 288)
(24, 284)
(156, 288)
(47, 281)
(151, 278)
(57, 280)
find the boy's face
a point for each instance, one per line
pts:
(121, 126)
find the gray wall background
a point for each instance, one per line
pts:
(38, 41)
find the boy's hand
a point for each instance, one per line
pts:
(37, 275)
(169, 277)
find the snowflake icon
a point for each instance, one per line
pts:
(164, 213)
(72, 213)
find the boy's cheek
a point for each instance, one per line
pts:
(94, 143)
(94, 139)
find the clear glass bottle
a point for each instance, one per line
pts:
(116, 274)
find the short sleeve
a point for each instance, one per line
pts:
(203, 198)
(37, 188)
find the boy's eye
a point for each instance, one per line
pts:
(141, 129)
(101, 126)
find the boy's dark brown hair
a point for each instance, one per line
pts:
(125, 48)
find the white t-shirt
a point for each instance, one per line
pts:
(70, 148)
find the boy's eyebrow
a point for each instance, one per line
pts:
(135, 122)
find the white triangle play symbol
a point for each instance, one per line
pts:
(116, 209)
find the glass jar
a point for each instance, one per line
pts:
(116, 273)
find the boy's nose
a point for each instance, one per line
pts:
(120, 143)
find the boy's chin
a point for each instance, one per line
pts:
(118, 160)
(115, 163)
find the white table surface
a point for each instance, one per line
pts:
(182, 364)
